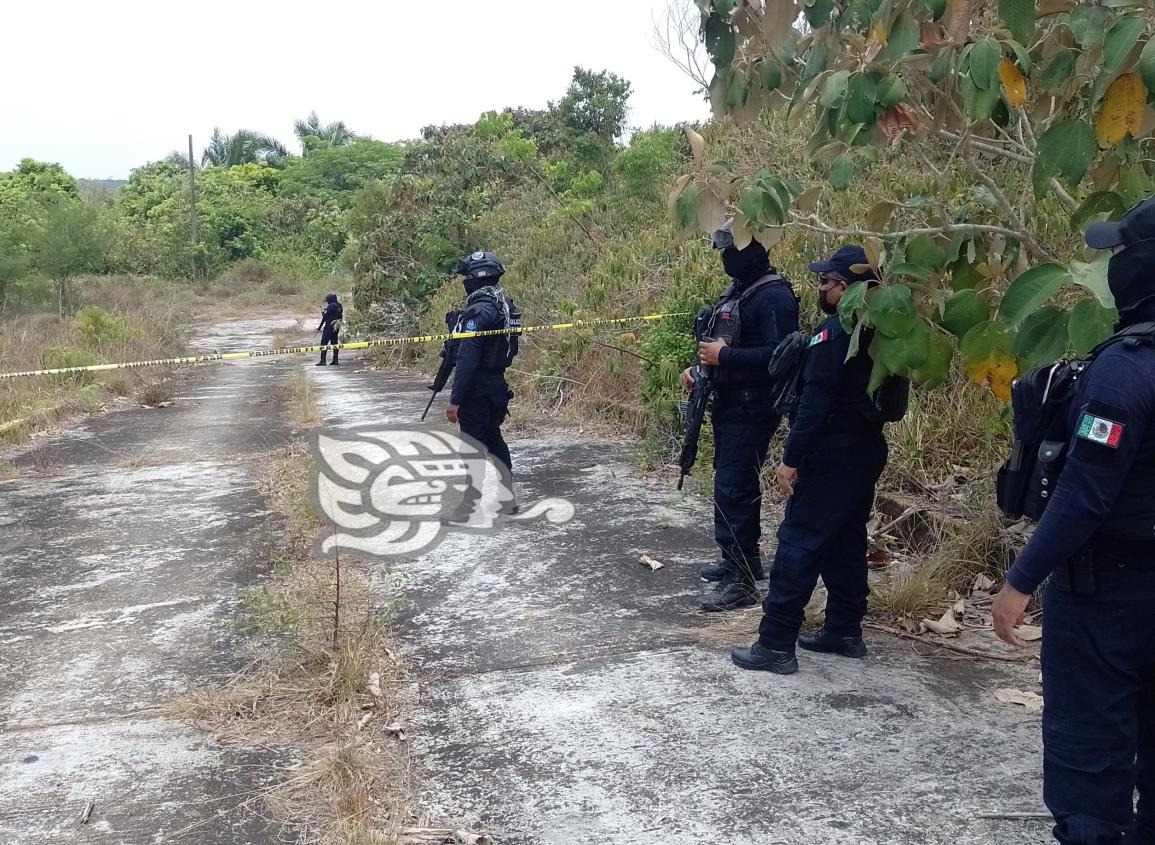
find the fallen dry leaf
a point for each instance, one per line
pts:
(983, 584)
(364, 720)
(397, 730)
(1030, 700)
(374, 685)
(1030, 633)
(947, 626)
(654, 565)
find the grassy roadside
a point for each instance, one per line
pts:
(327, 687)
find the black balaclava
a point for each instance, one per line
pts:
(747, 265)
(1131, 278)
(331, 298)
(473, 285)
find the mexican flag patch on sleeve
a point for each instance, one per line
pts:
(1101, 430)
(821, 337)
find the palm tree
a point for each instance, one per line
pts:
(242, 147)
(313, 134)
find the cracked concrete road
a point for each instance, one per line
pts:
(569, 694)
(125, 543)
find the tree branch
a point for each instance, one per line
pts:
(812, 223)
(1016, 219)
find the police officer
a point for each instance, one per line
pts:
(755, 312)
(833, 458)
(479, 401)
(1098, 537)
(331, 317)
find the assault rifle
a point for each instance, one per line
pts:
(448, 361)
(693, 414)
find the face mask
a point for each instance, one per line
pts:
(747, 264)
(1131, 276)
(825, 304)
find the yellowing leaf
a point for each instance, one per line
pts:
(697, 143)
(1122, 110)
(997, 371)
(1014, 84)
(878, 34)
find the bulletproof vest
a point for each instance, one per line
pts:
(498, 351)
(725, 322)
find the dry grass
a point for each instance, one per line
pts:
(328, 687)
(155, 394)
(298, 397)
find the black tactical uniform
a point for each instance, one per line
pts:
(1098, 537)
(330, 328)
(837, 446)
(479, 387)
(753, 315)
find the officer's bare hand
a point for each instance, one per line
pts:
(786, 477)
(451, 413)
(1008, 610)
(708, 353)
(687, 379)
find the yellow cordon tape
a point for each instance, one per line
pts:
(363, 344)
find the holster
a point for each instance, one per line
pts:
(1077, 574)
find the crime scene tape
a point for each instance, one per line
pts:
(361, 344)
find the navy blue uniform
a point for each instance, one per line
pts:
(330, 326)
(1099, 616)
(744, 420)
(837, 446)
(479, 386)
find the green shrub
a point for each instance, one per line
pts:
(98, 328)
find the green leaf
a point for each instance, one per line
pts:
(1088, 24)
(936, 369)
(903, 38)
(892, 310)
(773, 211)
(834, 89)
(1093, 277)
(1067, 150)
(1061, 68)
(770, 74)
(750, 204)
(842, 172)
(855, 342)
(1098, 204)
(1121, 40)
(1147, 65)
(1090, 325)
(943, 64)
(878, 374)
(925, 252)
(907, 268)
(1030, 290)
(720, 42)
(965, 275)
(1043, 336)
(818, 12)
(964, 310)
(984, 64)
(977, 103)
(1019, 17)
(737, 92)
(861, 95)
(687, 207)
(891, 91)
(815, 62)
(853, 300)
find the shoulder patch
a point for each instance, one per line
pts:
(821, 337)
(1100, 430)
(471, 325)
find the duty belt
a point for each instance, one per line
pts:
(747, 393)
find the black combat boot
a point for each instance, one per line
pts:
(324, 356)
(763, 659)
(719, 571)
(828, 643)
(730, 594)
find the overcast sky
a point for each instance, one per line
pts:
(102, 87)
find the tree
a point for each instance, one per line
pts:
(72, 238)
(337, 173)
(675, 36)
(315, 135)
(242, 147)
(596, 103)
(1025, 122)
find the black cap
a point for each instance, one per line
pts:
(842, 263)
(1138, 224)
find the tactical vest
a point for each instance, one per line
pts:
(498, 351)
(725, 318)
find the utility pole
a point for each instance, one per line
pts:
(192, 183)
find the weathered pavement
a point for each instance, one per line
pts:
(124, 546)
(568, 694)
